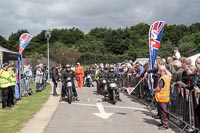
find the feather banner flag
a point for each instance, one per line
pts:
(24, 40)
(155, 35)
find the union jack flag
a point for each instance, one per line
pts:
(24, 40)
(155, 35)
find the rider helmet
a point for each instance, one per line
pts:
(101, 68)
(68, 67)
(111, 68)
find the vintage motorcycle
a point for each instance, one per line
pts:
(88, 80)
(69, 92)
(113, 93)
(102, 84)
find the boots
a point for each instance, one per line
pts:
(61, 99)
(76, 99)
(104, 94)
(119, 99)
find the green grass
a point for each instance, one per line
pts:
(11, 121)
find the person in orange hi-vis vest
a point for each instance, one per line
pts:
(80, 74)
(162, 97)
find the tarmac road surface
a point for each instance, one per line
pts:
(91, 115)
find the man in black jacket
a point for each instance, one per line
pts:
(67, 72)
(55, 79)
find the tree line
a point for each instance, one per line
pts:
(105, 44)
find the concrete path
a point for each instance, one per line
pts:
(40, 120)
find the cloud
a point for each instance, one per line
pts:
(39, 15)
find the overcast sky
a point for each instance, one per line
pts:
(38, 15)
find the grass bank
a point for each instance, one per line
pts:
(11, 121)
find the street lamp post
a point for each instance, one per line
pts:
(48, 36)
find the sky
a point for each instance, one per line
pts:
(38, 15)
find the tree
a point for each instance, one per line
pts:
(3, 42)
(115, 43)
(70, 37)
(99, 33)
(63, 55)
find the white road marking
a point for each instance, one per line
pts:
(93, 105)
(97, 99)
(102, 113)
(133, 108)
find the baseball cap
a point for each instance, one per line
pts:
(5, 64)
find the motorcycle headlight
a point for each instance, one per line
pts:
(113, 85)
(69, 84)
(68, 78)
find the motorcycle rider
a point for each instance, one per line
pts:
(101, 75)
(111, 75)
(88, 72)
(67, 72)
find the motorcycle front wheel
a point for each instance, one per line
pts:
(69, 95)
(114, 96)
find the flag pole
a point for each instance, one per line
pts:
(17, 88)
(138, 83)
(129, 91)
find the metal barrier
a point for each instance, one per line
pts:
(182, 105)
(25, 82)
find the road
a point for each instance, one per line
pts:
(91, 115)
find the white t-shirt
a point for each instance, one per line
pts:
(177, 55)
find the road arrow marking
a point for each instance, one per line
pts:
(88, 99)
(102, 113)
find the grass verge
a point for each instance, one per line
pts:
(11, 121)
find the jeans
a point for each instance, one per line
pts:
(54, 87)
(38, 86)
(26, 86)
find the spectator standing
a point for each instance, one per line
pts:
(185, 64)
(162, 96)
(140, 69)
(197, 62)
(177, 54)
(27, 74)
(169, 64)
(175, 90)
(5, 79)
(55, 79)
(38, 79)
(12, 84)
